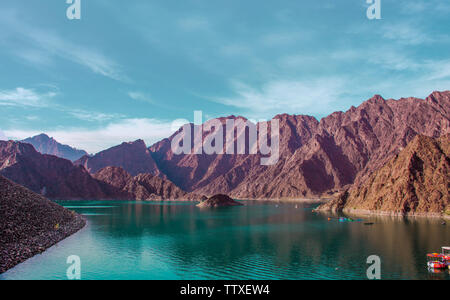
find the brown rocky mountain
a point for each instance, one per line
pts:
(29, 224)
(49, 175)
(46, 145)
(134, 157)
(143, 186)
(223, 173)
(316, 158)
(414, 182)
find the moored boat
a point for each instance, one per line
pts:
(446, 255)
(439, 260)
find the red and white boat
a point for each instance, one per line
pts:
(439, 260)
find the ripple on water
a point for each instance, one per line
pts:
(134, 240)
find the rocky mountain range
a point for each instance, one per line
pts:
(134, 157)
(51, 176)
(47, 145)
(58, 178)
(414, 182)
(316, 158)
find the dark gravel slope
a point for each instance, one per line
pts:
(30, 223)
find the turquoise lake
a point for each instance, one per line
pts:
(261, 240)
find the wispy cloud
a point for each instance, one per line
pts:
(92, 59)
(92, 116)
(438, 70)
(98, 139)
(34, 56)
(35, 98)
(139, 96)
(302, 97)
(194, 23)
(405, 33)
(25, 97)
(419, 6)
(283, 38)
(2, 136)
(46, 44)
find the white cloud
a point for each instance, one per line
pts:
(3, 136)
(34, 56)
(194, 24)
(405, 33)
(91, 116)
(419, 6)
(46, 44)
(283, 39)
(92, 59)
(25, 97)
(438, 70)
(32, 118)
(140, 97)
(95, 140)
(302, 97)
(392, 59)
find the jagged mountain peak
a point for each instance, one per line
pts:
(48, 145)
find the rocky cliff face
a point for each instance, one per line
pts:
(316, 158)
(49, 175)
(414, 182)
(143, 186)
(134, 157)
(46, 145)
(29, 224)
(224, 173)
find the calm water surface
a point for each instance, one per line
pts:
(156, 240)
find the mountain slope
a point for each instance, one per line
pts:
(29, 224)
(143, 186)
(415, 182)
(49, 175)
(134, 157)
(222, 173)
(348, 147)
(46, 145)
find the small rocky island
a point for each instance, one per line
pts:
(219, 201)
(30, 223)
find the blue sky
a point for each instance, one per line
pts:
(127, 69)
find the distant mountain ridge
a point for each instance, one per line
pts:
(51, 176)
(134, 157)
(317, 158)
(47, 145)
(58, 178)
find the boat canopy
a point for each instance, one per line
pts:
(434, 255)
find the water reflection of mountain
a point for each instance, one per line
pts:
(265, 241)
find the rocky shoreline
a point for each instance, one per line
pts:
(15, 253)
(30, 224)
(376, 213)
(414, 183)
